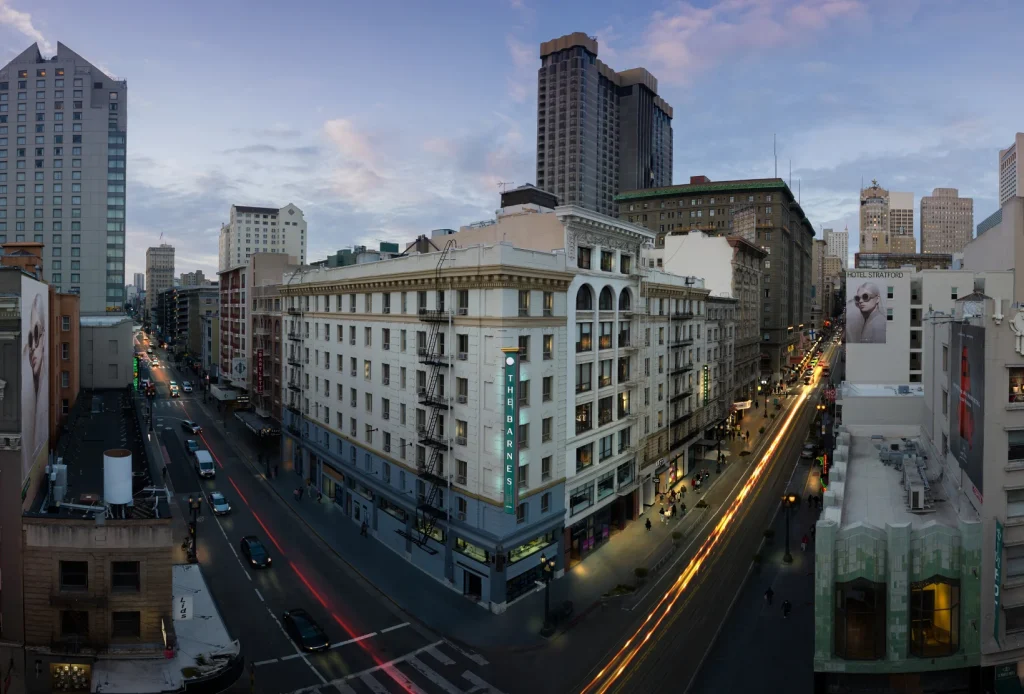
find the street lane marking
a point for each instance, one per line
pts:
(388, 667)
(355, 640)
(344, 688)
(440, 657)
(260, 663)
(479, 685)
(475, 657)
(259, 595)
(397, 626)
(441, 682)
(293, 656)
(375, 686)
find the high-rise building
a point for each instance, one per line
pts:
(874, 219)
(76, 117)
(1011, 176)
(818, 252)
(261, 230)
(598, 131)
(901, 223)
(947, 221)
(837, 245)
(192, 279)
(780, 228)
(159, 273)
(140, 281)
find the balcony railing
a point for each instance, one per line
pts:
(681, 368)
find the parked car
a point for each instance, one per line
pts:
(192, 445)
(254, 551)
(305, 632)
(219, 504)
(191, 427)
(187, 386)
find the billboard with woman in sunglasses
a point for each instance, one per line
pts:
(35, 375)
(865, 313)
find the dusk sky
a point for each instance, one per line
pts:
(384, 120)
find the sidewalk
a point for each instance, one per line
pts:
(776, 653)
(444, 610)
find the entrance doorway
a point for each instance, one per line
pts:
(472, 585)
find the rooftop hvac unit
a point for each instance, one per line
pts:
(59, 478)
(117, 476)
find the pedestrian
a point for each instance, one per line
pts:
(814, 529)
(673, 510)
(165, 474)
(319, 496)
(648, 525)
(786, 607)
(768, 595)
(363, 530)
(300, 493)
(810, 500)
(661, 512)
(275, 472)
(803, 543)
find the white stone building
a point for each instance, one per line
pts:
(261, 230)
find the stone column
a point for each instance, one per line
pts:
(897, 613)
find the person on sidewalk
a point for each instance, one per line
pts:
(786, 607)
(803, 543)
(661, 512)
(363, 530)
(768, 595)
(814, 529)
(648, 525)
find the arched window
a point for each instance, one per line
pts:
(625, 301)
(607, 300)
(585, 298)
(935, 617)
(860, 620)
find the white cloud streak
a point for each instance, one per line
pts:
(22, 22)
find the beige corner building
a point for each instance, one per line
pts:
(874, 219)
(901, 223)
(947, 221)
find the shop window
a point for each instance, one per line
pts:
(859, 620)
(935, 617)
(1016, 384)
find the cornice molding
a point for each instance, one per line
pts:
(488, 277)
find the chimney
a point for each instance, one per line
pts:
(696, 180)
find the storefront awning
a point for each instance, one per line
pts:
(707, 442)
(261, 426)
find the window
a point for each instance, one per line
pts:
(524, 302)
(1015, 445)
(545, 468)
(461, 431)
(584, 337)
(945, 358)
(889, 292)
(1014, 564)
(545, 429)
(548, 346)
(583, 260)
(935, 617)
(524, 348)
(74, 623)
(546, 387)
(524, 436)
(584, 457)
(1016, 384)
(583, 377)
(545, 502)
(524, 393)
(521, 512)
(462, 471)
(74, 575)
(524, 476)
(859, 620)
(549, 303)
(124, 625)
(1015, 503)
(65, 351)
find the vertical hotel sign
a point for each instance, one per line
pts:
(259, 371)
(997, 580)
(510, 443)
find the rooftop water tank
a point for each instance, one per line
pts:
(117, 476)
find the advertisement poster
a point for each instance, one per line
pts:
(865, 311)
(35, 376)
(967, 397)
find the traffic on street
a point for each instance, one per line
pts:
(305, 619)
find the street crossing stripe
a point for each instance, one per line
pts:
(355, 640)
(441, 682)
(440, 657)
(479, 685)
(397, 626)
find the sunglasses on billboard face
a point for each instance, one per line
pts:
(863, 297)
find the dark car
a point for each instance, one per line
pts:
(254, 551)
(305, 632)
(190, 426)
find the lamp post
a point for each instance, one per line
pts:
(547, 572)
(788, 502)
(194, 503)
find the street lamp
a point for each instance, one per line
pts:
(788, 502)
(547, 572)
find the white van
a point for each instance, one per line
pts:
(204, 464)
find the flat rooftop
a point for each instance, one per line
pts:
(874, 493)
(100, 421)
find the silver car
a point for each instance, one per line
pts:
(219, 504)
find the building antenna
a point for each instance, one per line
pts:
(504, 185)
(775, 155)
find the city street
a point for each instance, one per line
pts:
(374, 647)
(666, 650)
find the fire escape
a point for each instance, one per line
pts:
(435, 356)
(296, 361)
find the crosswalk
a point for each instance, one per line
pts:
(438, 668)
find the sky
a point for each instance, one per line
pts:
(384, 120)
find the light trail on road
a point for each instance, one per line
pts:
(612, 671)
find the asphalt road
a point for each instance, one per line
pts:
(375, 647)
(664, 648)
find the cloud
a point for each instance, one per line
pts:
(308, 151)
(22, 22)
(523, 80)
(278, 130)
(692, 39)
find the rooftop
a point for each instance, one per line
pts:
(201, 631)
(883, 465)
(101, 421)
(103, 321)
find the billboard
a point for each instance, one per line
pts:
(239, 369)
(35, 376)
(865, 310)
(967, 398)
